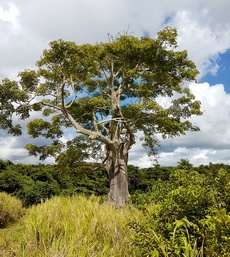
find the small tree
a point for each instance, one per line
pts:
(107, 92)
(184, 164)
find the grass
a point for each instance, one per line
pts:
(71, 227)
(10, 209)
(9, 240)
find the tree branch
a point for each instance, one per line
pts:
(74, 91)
(127, 127)
(95, 122)
(51, 105)
(113, 119)
(63, 99)
(92, 164)
(92, 135)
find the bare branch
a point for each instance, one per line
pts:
(63, 98)
(117, 73)
(51, 105)
(127, 127)
(95, 122)
(92, 164)
(103, 126)
(105, 76)
(121, 86)
(113, 119)
(92, 135)
(74, 91)
(103, 91)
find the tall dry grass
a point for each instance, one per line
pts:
(77, 226)
(10, 209)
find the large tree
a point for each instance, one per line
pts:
(107, 92)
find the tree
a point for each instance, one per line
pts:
(184, 164)
(107, 92)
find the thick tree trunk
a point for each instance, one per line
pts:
(117, 171)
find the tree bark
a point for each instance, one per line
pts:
(116, 166)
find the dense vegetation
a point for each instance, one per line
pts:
(173, 211)
(35, 183)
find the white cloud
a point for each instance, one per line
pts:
(9, 19)
(203, 41)
(10, 14)
(211, 144)
(214, 138)
(12, 148)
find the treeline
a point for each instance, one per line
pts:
(35, 183)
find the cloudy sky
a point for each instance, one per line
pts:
(26, 28)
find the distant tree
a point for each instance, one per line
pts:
(107, 92)
(184, 164)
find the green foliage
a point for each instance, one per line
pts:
(10, 209)
(10, 181)
(185, 215)
(142, 180)
(35, 183)
(216, 231)
(77, 150)
(12, 100)
(180, 241)
(4, 164)
(120, 81)
(184, 164)
(221, 187)
(210, 237)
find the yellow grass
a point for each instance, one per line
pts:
(10, 209)
(76, 226)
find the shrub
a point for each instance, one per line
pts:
(10, 181)
(10, 209)
(216, 232)
(180, 241)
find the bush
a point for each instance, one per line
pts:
(216, 233)
(180, 241)
(10, 209)
(10, 181)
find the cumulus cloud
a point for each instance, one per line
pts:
(211, 144)
(204, 42)
(9, 20)
(13, 148)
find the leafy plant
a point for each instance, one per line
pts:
(216, 233)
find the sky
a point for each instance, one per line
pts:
(26, 28)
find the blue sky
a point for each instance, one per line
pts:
(223, 74)
(26, 28)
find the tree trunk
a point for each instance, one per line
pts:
(116, 166)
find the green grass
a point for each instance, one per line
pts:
(71, 227)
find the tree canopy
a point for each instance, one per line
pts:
(107, 92)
